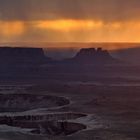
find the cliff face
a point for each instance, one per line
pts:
(9, 55)
(93, 56)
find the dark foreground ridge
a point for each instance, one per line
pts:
(93, 56)
(49, 124)
(21, 55)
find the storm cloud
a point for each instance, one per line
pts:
(69, 20)
(106, 10)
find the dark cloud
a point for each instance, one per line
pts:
(73, 9)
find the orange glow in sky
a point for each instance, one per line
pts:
(10, 29)
(70, 30)
(32, 21)
(69, 25)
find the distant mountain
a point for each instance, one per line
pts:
(130, 55)
(11, 55)
(93, 56)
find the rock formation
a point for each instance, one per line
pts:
(9, 55)
(93, 56)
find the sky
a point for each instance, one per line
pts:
(69, 21)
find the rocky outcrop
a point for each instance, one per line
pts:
(49, 124)
(10, 55)
(93, 56)
(10, 102)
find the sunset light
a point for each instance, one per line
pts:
(69, 69)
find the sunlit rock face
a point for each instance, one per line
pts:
(24, 102)
(93, 56)
(9, 55)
